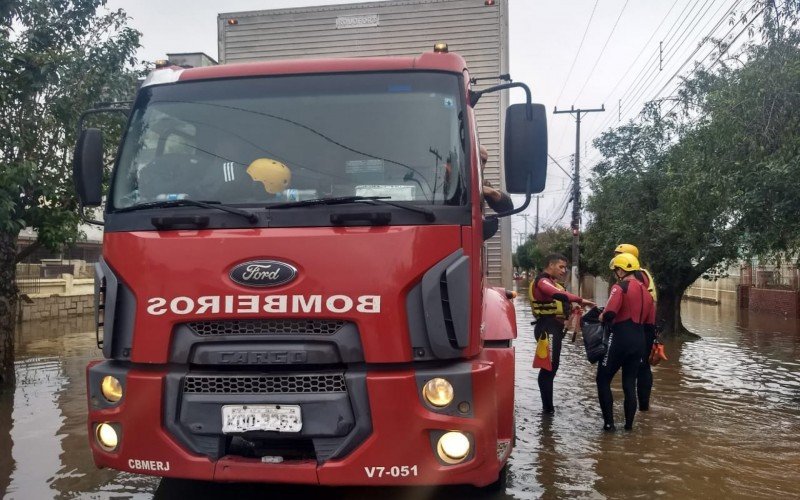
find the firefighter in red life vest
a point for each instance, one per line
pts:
(644, 378)
(551, 306)
(631, 312)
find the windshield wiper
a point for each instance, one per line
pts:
(343, 200)
(251, 217)
(339, 200)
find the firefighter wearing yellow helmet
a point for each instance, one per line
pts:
(274, 175)
(643, 275)
(644, 377)
(626, 262)
(630, 312)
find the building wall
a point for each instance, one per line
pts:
(721, 291)
(56, 306)
(780, 302)
(57, 298)
(477, 32)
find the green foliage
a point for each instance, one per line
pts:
(57, 58)
(715, 179)
(532, 253)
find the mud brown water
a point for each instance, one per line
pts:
(724, 422)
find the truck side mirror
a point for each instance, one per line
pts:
(526, 148)
(87, 167)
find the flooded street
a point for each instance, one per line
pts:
(724, 422)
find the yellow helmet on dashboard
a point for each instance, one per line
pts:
(274, 175)
(627, 248)
(625, 261)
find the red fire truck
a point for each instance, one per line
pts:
(292, 282)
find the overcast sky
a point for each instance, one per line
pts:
(544, 40)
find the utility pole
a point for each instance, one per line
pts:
(576, 189)
(525, 216)
(520, 238)
(536, 232)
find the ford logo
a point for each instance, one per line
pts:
(262, 273)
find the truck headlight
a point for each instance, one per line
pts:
(107, 436)
(438, 392)
(453, 447)
(111, 389)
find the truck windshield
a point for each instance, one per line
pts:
(269, 140)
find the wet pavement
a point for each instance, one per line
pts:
(724, 422)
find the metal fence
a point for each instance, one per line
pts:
(29, 279)
(51, 271)
(783, 277)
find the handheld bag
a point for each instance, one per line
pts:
(595, 339)
(542, 359)
(657, 353)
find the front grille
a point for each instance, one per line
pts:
(267, 327)
(267, 384)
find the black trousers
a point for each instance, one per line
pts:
(555, 330)
(625, 348)
(644, 377)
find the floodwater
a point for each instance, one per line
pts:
(724, 422)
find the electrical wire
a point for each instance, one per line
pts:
(671, 52)
(696, 50)
(663, 19)
(723, 52)
(637, 78)
(559, 165)
(602, 51)
(728, 46)
(647, 68)
(575, 59)
(704, 40)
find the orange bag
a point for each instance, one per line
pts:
(657, 354)
(543, 357)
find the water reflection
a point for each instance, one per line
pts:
(724, 422)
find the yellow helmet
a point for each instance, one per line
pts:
(625, 261)
(627, 248)
(273, 174)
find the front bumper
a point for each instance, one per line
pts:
(398, 448)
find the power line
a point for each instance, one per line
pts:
(631, 100)
(597, 61)
(696, 50)
(727, 47)
(644, 68)
(663, 19)
(645, 72)
(640, 88)
(575, 59)
(559, 165)
(723, 52)
(643, 89)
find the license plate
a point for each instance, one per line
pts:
(243, 418)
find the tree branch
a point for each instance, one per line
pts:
(27, 251)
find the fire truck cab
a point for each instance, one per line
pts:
(292, 282)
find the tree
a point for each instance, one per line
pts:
(531, 254)
(57, 58)
(712, 180)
